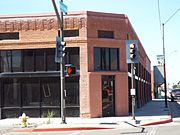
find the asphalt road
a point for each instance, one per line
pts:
(164, 129)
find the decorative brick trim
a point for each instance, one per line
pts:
(24, 24)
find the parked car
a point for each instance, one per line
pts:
(175, 94)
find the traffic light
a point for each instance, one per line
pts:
(132, 55)
(70, 70)
(132, 49)
(60, 49)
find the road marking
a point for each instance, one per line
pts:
(153, 131)
(77, 132)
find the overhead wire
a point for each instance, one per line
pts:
(172, 15)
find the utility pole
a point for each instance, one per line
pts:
(164, 65)
(62, 74)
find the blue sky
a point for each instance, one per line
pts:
(143, 15)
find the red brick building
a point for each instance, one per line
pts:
(29, 76)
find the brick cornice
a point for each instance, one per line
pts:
(39, 23)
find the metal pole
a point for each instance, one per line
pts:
(62, 73)
(62, 76)
(132, 87)
(164, 65)
(165, 86)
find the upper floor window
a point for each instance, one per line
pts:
(71, 33)
(105, 34)
(106, 59)
(31, 60)
(9, 36)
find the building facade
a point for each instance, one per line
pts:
(30, 78)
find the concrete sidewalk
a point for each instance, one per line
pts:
(152, 113)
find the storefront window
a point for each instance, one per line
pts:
(50, 92)
(30, 93)
(11, 93)
(72, 92)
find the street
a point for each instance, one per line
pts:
(165, 129)
(172, 128)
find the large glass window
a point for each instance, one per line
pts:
(11, 93)
(31, 60)
(5, 61)
(28, 60)
(97, 59)
(72, 91)
(106, 59)
(40, 60)
(72, 56)
(51, 64)
(30, 92)
(50, 92)
(16, 61)
(114, 58)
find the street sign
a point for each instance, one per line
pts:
(63, 7)
(160, 59)
(133, 92)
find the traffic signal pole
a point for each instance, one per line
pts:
(62, 75)
(132, 87)
(132, 57)
(62, 81)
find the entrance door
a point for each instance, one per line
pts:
(108, 100)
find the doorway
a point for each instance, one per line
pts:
(108, 97)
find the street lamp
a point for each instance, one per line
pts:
(164, 65)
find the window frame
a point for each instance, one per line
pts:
(105, 64)
(105, 34)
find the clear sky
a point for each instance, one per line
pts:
(143, 15)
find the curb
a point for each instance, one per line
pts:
(83, 128)
(159, 122)
(57, 129)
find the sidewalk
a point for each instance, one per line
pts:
(152, 113)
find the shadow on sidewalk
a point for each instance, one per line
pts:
(175, 109)
(156, 107)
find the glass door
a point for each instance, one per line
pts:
(108, 97)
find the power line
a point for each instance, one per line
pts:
(172, 15)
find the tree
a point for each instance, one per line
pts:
(176, 85)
